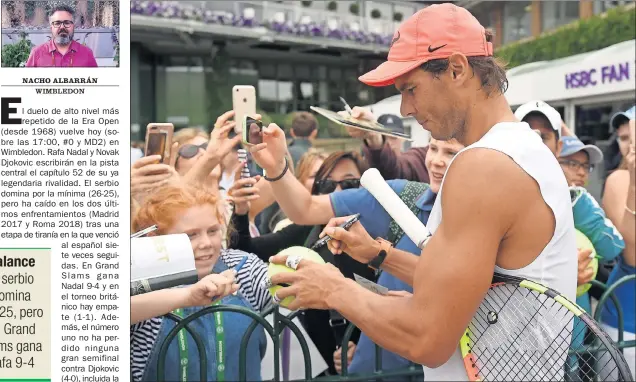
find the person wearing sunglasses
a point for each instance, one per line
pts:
(62, 50)
(339, 171)
(192, 144)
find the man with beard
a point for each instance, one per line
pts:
(62, 50)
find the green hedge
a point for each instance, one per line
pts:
(617, 25)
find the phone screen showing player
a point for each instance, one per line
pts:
(252, 131)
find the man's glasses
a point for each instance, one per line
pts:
(328, 186)
(575, 165)
(190, 151)
(66, 23)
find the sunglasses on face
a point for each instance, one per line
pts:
(328, 186)
(190, 151)
(66, 23)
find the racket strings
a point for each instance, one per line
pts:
(521, 334)
(512, 339)
(591, 360)
(503, 331)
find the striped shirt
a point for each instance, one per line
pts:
(250, 279)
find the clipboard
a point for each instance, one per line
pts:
(359, 124)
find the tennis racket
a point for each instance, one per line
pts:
(524, 331)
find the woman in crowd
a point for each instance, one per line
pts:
(192, 144)
(340, 170)
(619, 202)
(194, 211)
(619, 141)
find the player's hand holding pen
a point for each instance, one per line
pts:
(355, 241)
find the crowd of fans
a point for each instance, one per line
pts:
(280, 22)
(199, 192)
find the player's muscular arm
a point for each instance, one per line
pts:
(456, 267)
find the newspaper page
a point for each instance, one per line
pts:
(64, 191)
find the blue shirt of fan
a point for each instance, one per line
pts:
(376, 221)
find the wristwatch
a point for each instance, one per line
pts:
(385, 247)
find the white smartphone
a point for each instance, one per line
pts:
(243, 104)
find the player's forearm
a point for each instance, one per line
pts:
(396, 324)
(401, 264)
(157, 303)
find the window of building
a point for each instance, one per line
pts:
(557, 13)
(592, 121)
(185, 94)
(604, 6)
(516, 21)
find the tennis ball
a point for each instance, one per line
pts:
(273, 269)
(582, 242)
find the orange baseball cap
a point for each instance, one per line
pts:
(435, 32)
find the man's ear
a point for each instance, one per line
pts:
(313, 134)
(291, 132)
(458, 68)
(559, 147)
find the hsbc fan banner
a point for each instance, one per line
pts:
(603, 72)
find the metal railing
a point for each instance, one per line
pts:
(281, 322)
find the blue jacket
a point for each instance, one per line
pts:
(590, 219)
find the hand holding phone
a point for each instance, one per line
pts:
(243, 104)
(159, 140)
(252, 131)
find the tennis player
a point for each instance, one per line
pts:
(503, 206)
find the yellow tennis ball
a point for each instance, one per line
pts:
(582, 242)
(273, 269)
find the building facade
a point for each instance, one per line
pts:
(185, 61)
(185, 58)
(518, 20)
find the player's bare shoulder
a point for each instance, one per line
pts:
(494, 175)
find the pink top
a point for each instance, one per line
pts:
(46, 55)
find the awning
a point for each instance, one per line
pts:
(606, 71)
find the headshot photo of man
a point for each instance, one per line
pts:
(69, 34)
(62, 50)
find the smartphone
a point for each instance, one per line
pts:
(245, 171)
(252, 131)
(346, 225)
(159, 140)
(243, 104)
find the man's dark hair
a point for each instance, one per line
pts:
(61, 8)
(303, 124)
(491, 70)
